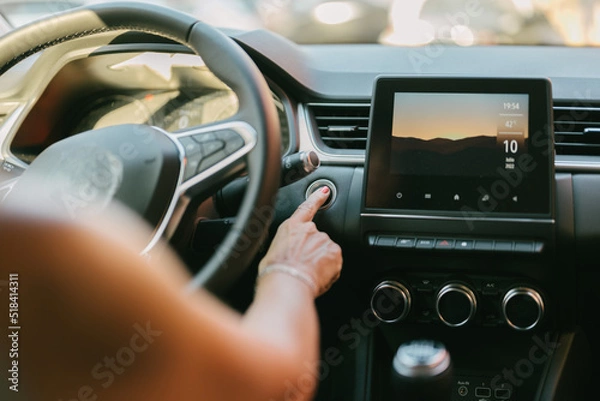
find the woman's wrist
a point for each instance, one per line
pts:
(292, 274)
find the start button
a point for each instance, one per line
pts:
(323, 183)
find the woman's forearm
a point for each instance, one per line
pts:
(283, 314)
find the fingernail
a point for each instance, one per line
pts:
(325, 190)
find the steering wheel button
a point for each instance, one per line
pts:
(227, 135)
(233, 145)
(233, 140)
(202, 138)
(212, 147)
(191, 147)
(192, 164)
(211, 160)
(189, 173)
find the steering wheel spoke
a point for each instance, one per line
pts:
(213, 153)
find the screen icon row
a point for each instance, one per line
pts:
(456, 197)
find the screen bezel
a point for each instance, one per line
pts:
(377, 162)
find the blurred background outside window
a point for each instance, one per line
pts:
(391, 22)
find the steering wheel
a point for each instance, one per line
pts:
(153, 172)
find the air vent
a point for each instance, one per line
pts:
(341, 126)
(576, 130)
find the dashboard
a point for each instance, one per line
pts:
(469, 200)
(103, 95)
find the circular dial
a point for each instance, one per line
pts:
(455, 304)
(114, 110)
(391, 301)
(523, 308)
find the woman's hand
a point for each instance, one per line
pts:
(299, 245)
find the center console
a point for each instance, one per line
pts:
(458, 210)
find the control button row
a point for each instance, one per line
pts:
(205, 150)
(449, 243)
(483, 392)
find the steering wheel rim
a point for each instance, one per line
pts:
(229, 63)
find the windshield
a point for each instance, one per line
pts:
(391, 22)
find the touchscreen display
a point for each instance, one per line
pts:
(448, 134)
(464, 146)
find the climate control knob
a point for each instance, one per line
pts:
(523, 308)
(391, 301)
(455, 304)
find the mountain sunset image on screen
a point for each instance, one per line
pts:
(456, 133)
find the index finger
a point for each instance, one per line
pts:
(309, 208)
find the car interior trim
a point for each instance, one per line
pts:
(534, 295)
(307, 141)
(6, 131)
(452, 218)
(243, 129)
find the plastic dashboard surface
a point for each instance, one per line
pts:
(321, 74)
(325, 70)
(308, 74)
